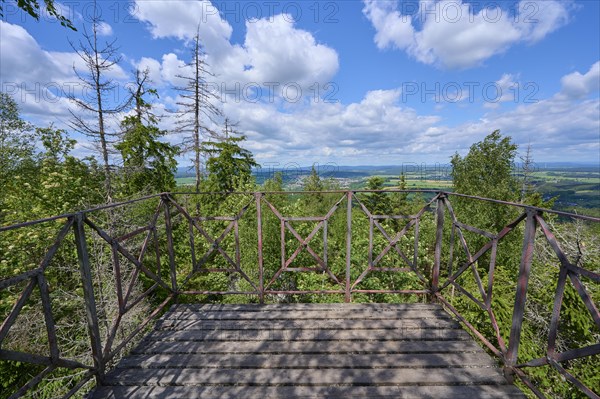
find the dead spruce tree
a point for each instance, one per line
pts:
(197, 108)
(94, 103)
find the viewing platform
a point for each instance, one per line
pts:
(250, 295)
(307, 351)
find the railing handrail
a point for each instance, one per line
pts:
(225, 193)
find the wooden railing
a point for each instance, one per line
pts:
(177, 252)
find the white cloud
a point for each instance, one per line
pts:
(153, 67)
(104, 29)
(505, 89)
(38, 79)
(375, 125)
(274, 49)
(183, 19)
(539, 18)
(392, 28)
(278, 52)
(576, 85)
(450, 34)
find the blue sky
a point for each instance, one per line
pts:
(348, 82)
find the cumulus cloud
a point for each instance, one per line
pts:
(450, 34)
(277, 51)
(39, 80)
(183, 19)
(377, 124)
(380, 129)
(274, 49)
(564, 123)
(553, 127)
(104, 29)
(505, 88)
(576, 85)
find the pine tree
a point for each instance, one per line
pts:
(229, 164)
(148, 163)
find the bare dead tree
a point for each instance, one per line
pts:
(92, 122)
(197, 108)
(527, 168)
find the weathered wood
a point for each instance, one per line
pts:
(88, 294)
(295, 315)
(16, 309)
(257, 198)
(224, 376)
(306, 361)
(348, 295)
(311, 335)
(251, 392)
(307, 351)
(174, 324)
(522, 283)
(313, 307)
(250, 347)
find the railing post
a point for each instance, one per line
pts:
(170, 249)
(348, 245)
(439, 237)
(88, 294)
(521, 294)
(261, 289)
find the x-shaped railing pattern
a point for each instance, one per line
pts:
(508, 353)
(285, 224)
(393, 243)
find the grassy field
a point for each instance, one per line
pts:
(575, 189)
(185, 181)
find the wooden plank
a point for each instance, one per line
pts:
(252, 392)
(310, 335)
(149, 347)
(301, 306)
(307, 361)
(307, 351)
(163, 377)
(392, 324)
(299, 315)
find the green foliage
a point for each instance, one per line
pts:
(32, 7)
(149, 164)
(378, 203)
(229, 164)
(16, 139)
(487, 169)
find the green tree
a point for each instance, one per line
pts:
(529, 193)
(16, 139)
(487, 171)
(229, 164)
(314, 184)
(378, 202)
(401, 204)
(148, 163)
(274, 184)
(32, 7)
(54, 182)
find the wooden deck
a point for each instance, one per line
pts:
(307, 351)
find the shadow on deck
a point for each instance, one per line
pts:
(307, 351)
